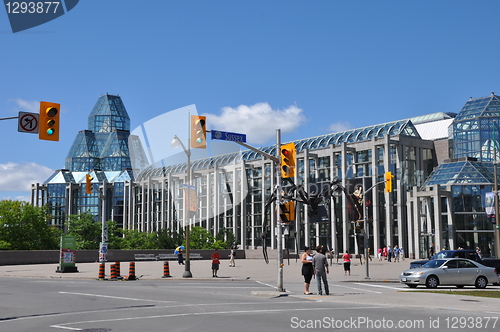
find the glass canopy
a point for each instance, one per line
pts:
(402, 127)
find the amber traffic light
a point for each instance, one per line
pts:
(388, 182)
(49, 121)
(88, 184)
(287, 211)
(288, 153)
(198, 132)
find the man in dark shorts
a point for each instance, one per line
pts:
(215, 263)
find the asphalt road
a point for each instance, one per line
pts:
(43, 305)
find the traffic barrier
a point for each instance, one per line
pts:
(113, 272)
(102, 274)
(166, 270)
(117, 268)
(131, 272)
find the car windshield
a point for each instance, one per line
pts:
(434, 263)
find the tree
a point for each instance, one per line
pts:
(86, 230)
(25, 227)
(225, 239)
(200, 238)
(168, 239)
(134, 239)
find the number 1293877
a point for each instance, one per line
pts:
(31, 7)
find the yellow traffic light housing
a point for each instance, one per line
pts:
(287, 211)
(88, 184)
(198, 132)
(388, 182)
(288, 154)
(49, 121)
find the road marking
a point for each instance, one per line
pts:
(360, 289)
(66, 328)
(190, 314)
(115, 297)
(263, 283)
(381, 286)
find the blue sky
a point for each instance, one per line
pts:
(306, 67)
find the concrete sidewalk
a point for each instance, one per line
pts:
(246, 269)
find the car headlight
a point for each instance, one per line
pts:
(418, 273)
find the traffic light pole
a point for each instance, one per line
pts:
(366, 236)
(279, 233)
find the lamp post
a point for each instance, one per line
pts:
(176, 142)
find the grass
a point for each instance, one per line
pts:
(478, 293)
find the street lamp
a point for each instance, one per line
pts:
(176, 142)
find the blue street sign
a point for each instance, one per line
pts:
(226, 136)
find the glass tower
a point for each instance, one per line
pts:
(104, 145)
(475, 129)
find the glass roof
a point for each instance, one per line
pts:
(109, 114)
(66, 176)
(432, 117)
(462, 172)
(396, 128)
(481, 107)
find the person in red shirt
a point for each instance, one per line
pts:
(215, 263)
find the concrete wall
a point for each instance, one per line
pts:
(20, 257)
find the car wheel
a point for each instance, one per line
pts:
(459, 286)
(432, 282)
(411, 285)
(481, 282)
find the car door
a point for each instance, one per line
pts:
(468, 272)
(450, 275)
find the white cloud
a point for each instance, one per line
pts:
(28, 106)
(259, 122)
(19, 177)
(339, 126)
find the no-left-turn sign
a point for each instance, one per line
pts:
(28, 122)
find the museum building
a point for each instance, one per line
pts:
(443, 167)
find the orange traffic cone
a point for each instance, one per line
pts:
(131, 271)
(166, 270)
(101, 272)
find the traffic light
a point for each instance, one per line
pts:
(198, 131)
(88, 184)
(287, 211)
(388, 182)
(288, 160)
(49, 121)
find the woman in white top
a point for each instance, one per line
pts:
(307, 269)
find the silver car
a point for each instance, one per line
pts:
(458, 272)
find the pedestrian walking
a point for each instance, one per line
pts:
(232, 254)
(347, 262)
(389, 253)
(379, 254)
(402, 253)
(320, 266)
(307, 269)
(180, 258)
(397, 252)
(215, 263)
